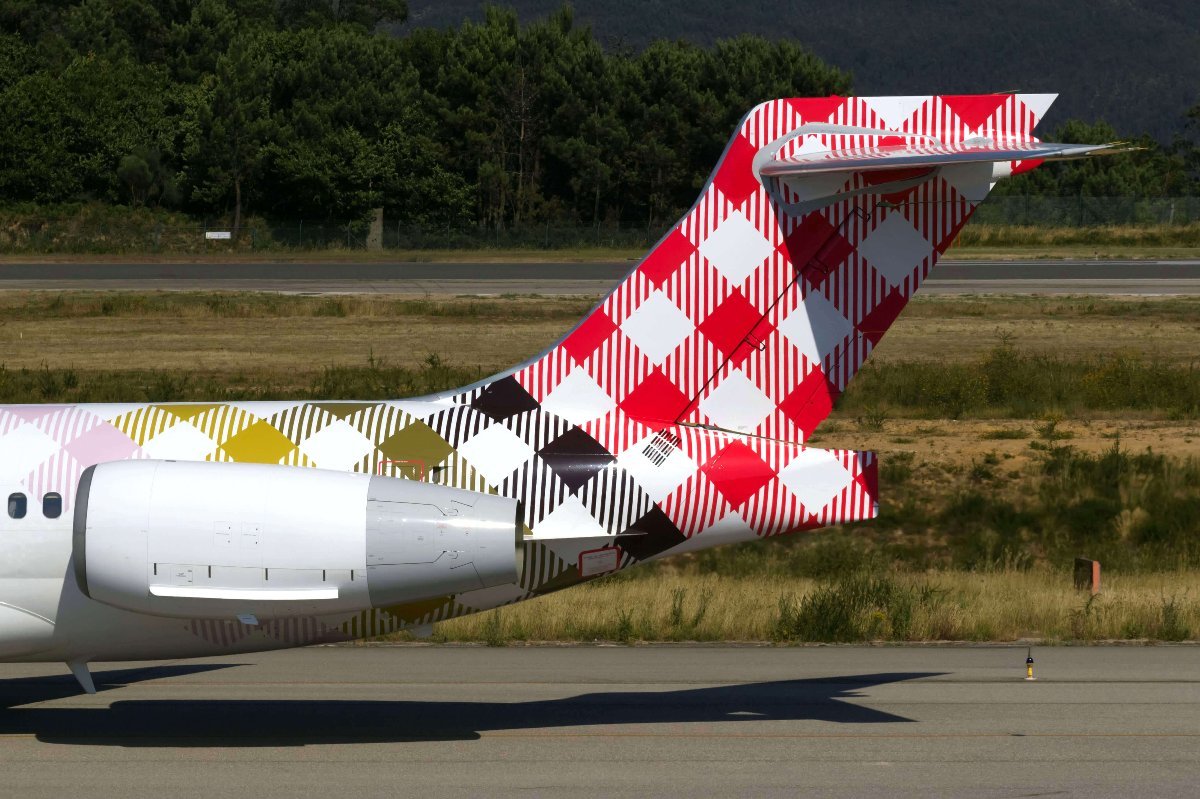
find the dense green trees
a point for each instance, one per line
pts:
(303, 109)
(1152, 172)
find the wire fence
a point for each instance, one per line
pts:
(400, 236)
(145, 234)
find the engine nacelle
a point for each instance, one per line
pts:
(219, 540)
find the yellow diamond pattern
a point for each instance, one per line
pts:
(258, 443)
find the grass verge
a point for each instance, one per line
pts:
(947, 606)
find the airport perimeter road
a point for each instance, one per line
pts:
(613, 721)
(951, 277)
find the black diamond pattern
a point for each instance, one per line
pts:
(503, 399)
(575, 457)
(658, 535)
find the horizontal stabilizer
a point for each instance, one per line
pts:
(925, 154)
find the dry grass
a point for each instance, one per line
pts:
(993, 606)
(294, 335)
(951, 328)
(962, 442)
(276, 335)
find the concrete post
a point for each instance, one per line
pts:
(375, 234)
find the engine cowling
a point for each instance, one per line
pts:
(218, 540)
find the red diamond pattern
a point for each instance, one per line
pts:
(974, 109)
(810, 402)
(736, 178)
(816, 248)
(816, 109)
(738, 473)
(881, 317)
(593, 332)
(655, 399)
(729, 325)
(667, 257)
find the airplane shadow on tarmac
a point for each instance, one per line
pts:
(300, 722)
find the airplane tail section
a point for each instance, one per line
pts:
(690, 389)
(818, 224)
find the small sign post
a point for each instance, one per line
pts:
(1087, 575)
(218, 235)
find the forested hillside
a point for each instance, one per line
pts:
(1132, 63)
(306, 109)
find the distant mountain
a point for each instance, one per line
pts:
(1133, 63)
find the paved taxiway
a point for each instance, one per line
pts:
(951, 277)
(612, 721)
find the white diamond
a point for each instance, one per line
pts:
(895, 111)
(1038, 104)
(23, 450)
(815, 476)
(578, 399)
(895, 248)
(569, 520)
(810, 145)
(736, 248)
(495, 453)
(816, 327)
(657, 327)
(658, 480)
(972, 181)
(337, 446)
(737, 404)
(182, 442)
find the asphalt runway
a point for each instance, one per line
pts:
(613, 721)
(951, 277)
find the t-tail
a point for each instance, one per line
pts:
(674, 415)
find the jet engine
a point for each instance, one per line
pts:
(220, 540)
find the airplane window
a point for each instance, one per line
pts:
(16, 505)
(52, 505)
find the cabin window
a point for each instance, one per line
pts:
(52, 505)
(16, 505)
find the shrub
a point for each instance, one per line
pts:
(857, 607)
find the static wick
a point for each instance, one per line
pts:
(1029, 664)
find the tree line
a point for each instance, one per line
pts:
(311, 109)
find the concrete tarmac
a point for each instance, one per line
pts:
(612, 721)
(950, 277)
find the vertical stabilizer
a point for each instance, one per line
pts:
(758, 307)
